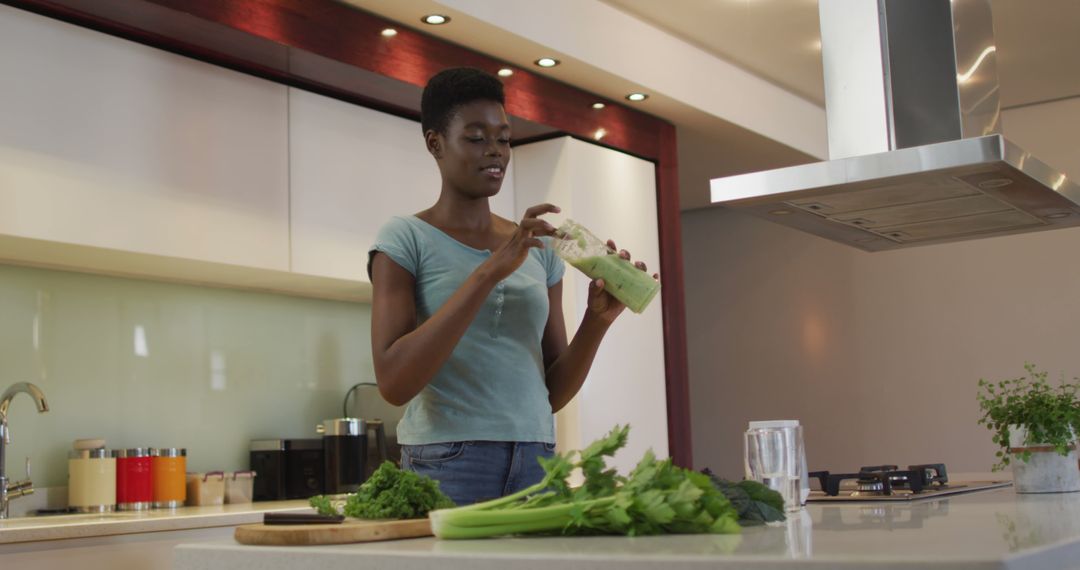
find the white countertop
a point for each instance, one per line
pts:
(990, 529)
(58, 527)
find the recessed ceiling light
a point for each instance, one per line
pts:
(435, 19)
(506, 72)
(389, 32)
(597, 105)
(547, 62)
(1056, 215)
(637, 96)
(780, 212)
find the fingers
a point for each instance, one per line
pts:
(622, 252)
(541, 209)
(641, 265)
(656, 276)
(536, 227)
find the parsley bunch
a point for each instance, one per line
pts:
(657, 497)
(389, 493)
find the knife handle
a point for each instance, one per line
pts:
(301, 518)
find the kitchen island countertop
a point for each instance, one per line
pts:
(986, 530)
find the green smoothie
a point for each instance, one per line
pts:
(630, 285)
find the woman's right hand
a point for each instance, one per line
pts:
(505, 260)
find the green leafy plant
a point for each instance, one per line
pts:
(389, 493)
(755, 503)
(657, 497)
(1050, 414)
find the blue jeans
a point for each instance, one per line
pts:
(474, 471)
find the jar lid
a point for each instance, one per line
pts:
(168, 452)
(774, 424)
(99, 453)
(342, 426)
(132, 452)
(88, 443)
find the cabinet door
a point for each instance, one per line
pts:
(351, 170)
(614, 195)
(108, 143)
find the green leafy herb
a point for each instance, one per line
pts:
(657, 497)
(755, 503)
(323, 505)
(389, 493)
(1051, 415)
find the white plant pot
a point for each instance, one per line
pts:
(1047, 471)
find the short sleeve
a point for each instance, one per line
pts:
(553, 264)
(398, 240)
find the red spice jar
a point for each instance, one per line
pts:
(134, 479)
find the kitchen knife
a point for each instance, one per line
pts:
(301, 518)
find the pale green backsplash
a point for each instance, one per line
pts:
(148, 364)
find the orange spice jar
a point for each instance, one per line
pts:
(168, 466)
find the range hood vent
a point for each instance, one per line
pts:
(915, 145)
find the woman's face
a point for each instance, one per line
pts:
(475, 150)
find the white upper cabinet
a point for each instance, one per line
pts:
(111, 144)
(614, 195)
(351, 170)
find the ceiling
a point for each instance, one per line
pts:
(780, 40)
(777, 40)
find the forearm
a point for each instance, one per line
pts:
(567, 373)
(406, 366)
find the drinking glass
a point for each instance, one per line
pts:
(775, 457)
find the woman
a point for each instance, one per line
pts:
(467, 323)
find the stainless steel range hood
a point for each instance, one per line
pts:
(917, 156)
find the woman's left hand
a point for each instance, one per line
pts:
(603, 304)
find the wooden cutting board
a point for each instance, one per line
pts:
(352, 530)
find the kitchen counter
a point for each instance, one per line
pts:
(59, 527)
(987, 530)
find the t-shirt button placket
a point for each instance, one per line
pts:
(500, 297)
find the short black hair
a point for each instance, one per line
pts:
(451, 88)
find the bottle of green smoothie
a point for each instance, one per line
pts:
(580, 248)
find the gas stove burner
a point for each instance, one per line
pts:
(884, 480)
(869, 486)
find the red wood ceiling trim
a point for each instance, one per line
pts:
(338, 50)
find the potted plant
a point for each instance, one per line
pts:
(1035, 423)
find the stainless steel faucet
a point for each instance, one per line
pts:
(11, 491)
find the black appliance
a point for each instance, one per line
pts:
(287, 468)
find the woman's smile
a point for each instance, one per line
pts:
(494, 171)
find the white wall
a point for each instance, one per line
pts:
(877, 354)
(614, 195)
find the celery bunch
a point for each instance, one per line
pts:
(657, 497)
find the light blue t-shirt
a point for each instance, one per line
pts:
(492, 387)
